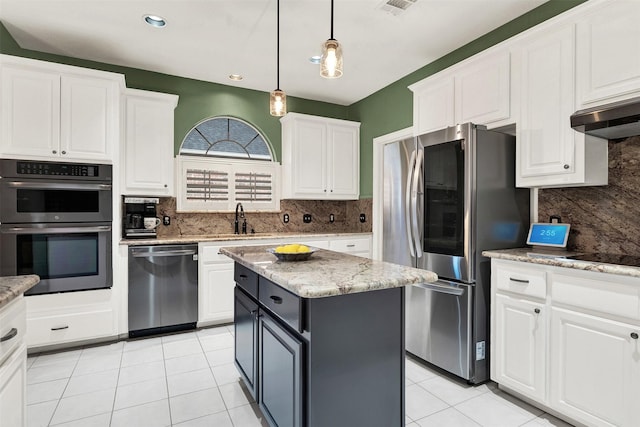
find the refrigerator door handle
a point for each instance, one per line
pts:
(407, 204)
(415, 227)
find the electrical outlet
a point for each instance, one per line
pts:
(363, 218)
(306, 218)
(285, 218)
(332, 218)
(166, 220)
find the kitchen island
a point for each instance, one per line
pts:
(321, 342)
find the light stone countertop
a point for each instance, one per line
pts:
(327, 273)
(557, 259)
(14, 286)
(177, 240)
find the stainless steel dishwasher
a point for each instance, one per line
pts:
(163, 289)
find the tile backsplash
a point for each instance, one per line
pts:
(605, 218)
(346, 218)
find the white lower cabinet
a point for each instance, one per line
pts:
(574, 350)
(520, 343)
(70, 317)
(13, 364)
(13, 389)
(595, 369)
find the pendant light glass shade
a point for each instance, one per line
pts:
(278, 99)
(331, 62)
(278, 103)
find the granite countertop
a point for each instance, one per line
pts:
(559, 259)
(327, 273)
(230, 237)
(14, 286)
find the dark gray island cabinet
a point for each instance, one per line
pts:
(320, 343)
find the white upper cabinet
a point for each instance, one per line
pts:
(148, 145)
(482, 90)
(549, 153)
(320, 158)
(433, 107)
(478, 91)
(56, 111)
(608, 53)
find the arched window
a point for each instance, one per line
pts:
(224, 161)
(226, 137)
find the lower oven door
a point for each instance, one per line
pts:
(438, 324)
(67, 256)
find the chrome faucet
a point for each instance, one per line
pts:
(236, 229)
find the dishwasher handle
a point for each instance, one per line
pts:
(151, 254)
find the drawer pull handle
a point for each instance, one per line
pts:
(276, 300)
(351, 246)
(12, 333)
(518, 280)
(243, 277)
(634, 335)
(59, 328)
(537, 311)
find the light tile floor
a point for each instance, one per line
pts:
(189, 380)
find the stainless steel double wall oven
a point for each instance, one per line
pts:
(55, 221)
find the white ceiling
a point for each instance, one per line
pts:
(210, 39)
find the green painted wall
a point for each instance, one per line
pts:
(385, 111)
(391, 108)
(198, 99)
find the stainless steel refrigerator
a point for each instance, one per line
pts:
(449, 195)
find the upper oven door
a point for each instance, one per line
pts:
(67, 257)
(53, 201)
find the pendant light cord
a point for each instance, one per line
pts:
(331, 19)
(278, 44)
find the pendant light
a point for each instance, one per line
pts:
(278, 99)
(331, 62)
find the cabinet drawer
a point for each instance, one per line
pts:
(597, 292)
(246, 279)
(350, 245)
(522, 281)
(282, 303)
(55, 329)
(13, 326)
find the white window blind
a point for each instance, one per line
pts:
(216, 185)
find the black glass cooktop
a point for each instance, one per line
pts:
(617, 259)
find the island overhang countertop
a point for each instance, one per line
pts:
(327, 273)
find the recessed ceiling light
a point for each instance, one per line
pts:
(235, 77)
(315, 59)
(155, 20)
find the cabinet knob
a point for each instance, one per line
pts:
(566, 166)
(165, 186)
(276, 299)
(325, 190)
(536, 311)
(54, 151)
(634, 335)
(64, 152)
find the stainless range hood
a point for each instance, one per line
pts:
(611, 121)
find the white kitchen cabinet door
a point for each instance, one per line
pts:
(519, 346)
(89, 112)
(216, 294)
(433, 104)
(482, 90)
(320, 158)
(548, 152)
(13, 389)
(148, 146)
(30, 112)
(608, 53)
(344, 162)
(595, 369)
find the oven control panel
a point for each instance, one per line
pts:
(62, 169)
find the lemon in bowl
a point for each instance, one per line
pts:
(292, 252)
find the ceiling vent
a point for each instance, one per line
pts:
(396, 7)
